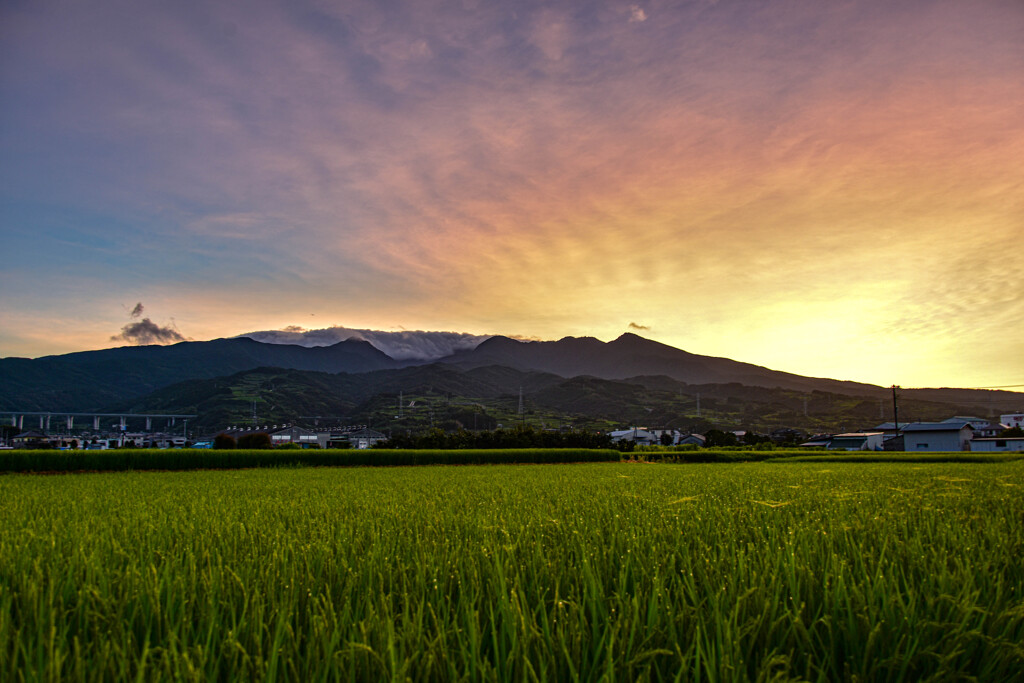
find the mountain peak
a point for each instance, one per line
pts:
(498, 342)
(630, 340)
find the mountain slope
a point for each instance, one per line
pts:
(91, 379)
(444, 395)
(631, 355)
(94, 380)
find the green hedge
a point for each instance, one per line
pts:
(196, 459)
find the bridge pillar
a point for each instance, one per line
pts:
(71, 422)
(122, 422)
(21, 422)
(149, 424)
(41, 422)
(96, 423)
(47, 423)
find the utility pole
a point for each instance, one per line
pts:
(895, 411)
(401, 401)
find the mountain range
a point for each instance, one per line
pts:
(579, 375)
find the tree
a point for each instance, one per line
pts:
(665, 438)
(258, 440)
(716, 437)
(224, 441)
(1012, 431)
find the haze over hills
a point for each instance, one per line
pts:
(95, 380)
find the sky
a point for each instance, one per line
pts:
(830, 188)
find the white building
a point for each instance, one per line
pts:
(856, 441)
(937, 436)
(1010, 443)
(1012, 420)
(365, 438)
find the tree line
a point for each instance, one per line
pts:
(519, 437)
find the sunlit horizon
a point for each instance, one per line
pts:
(828, 189)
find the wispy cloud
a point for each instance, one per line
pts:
(401, 345)
(637, 14)
(518, 166)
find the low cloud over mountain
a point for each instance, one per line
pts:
(143, 331)
(401, 345)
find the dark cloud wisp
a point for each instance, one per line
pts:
(145, 331)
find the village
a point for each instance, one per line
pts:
(957, 433)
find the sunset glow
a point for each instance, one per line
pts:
(831, 189)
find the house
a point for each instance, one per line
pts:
(31, 439)
(889, 429)
(982, 427)
(292, 434)
(990, 445)
(856, 441)
(641, 437)
(365, 438)
(817, 441)
(674, 435)
(698, 440)
(937, 436)
(1012, 420)
(279, 435)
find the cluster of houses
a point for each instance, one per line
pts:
(358, 436)
(953, 434)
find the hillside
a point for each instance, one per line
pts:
(445, 396)
(602, 382)
(631, 355)
(89, 380)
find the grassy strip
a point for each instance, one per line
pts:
(896, 456)
(195, 459)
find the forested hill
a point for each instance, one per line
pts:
(91, 379)
(448, 397)
(631, 355)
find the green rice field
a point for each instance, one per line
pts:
(771, 571)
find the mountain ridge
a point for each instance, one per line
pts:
(90, 380)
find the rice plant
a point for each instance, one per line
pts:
(617, 571)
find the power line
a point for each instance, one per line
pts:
(1002, 386)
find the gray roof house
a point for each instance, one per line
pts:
(937, 436)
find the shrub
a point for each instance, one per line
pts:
(257, 440)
